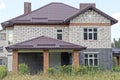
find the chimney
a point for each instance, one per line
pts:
(27, 7)
(85, 5)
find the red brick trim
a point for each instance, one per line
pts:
(15, 62)
(46, 60)
(90, 24)
(76, 58)
(43, 25)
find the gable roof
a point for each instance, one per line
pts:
(113, 21)
(45, 43)
(53, 13)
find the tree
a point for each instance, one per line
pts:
(116, 43)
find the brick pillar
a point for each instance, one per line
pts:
(46, 60)
(15, 62)
(76, 58)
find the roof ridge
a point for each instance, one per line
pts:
(64, 4)
(69, 6)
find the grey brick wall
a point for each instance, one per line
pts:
(105, 57)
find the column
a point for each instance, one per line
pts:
(15, 62)
(46, 60)
(76, 58)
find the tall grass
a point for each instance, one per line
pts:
(70, 70)
(3, 72)
(107, 75)
(69, 73)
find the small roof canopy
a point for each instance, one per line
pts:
(43, 42)
(116, 51)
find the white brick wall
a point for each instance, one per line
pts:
(103, 41)
(104, 32)
(90, 16)
(22, 33)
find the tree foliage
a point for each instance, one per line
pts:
(116, 43)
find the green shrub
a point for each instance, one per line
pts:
(67, 69)
(3, 71)
(116, 68)
(23, 69)
(82, 70)
(51, 70)
(88, 69)
(93, 69)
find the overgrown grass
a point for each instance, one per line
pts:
(106, 75)
(70, 73)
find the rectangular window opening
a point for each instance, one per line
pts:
(91, 59)
(90, 33)
(59, 34)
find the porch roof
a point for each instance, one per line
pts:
(43, 42)
(116, 51)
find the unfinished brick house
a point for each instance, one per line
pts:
(58, 34)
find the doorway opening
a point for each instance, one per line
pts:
(66, 58)
(33, 60)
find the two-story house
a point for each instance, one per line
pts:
(51, 36)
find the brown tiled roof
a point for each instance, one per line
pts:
(45, 43)
(53, 13)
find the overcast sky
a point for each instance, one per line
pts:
(12, 8)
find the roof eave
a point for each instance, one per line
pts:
(38, 23)
(12, 49)
(114, 22)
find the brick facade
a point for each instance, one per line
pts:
(26, 32)
(90, 19)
